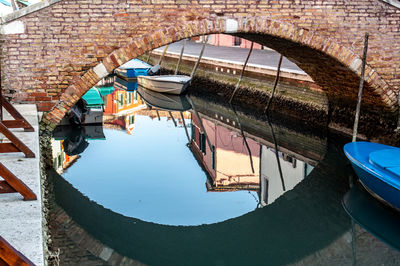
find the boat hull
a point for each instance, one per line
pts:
(164, 101)
(368, 161)
(156, 83)
(378, 188)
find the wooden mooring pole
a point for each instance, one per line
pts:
(360, 89)
(212, 148)
(186, 130)
(278, 70)
(180, 57)
(163, 54)
(276, 153)
(241, 74)
(200, 56)
(398, 113)
(243, 136)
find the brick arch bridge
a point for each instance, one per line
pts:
(54, 53)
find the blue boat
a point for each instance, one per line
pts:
(132, 69)
(378, 168)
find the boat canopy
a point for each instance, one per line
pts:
(105, 90)
(135, 63)
(93, 97)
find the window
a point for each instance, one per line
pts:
(202, 142)
(213, 158)
(237, 41)
(131, 119)
(129, 98)
(120, 100)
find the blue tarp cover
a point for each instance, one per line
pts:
(5, 2)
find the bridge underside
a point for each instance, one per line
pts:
(338, 81)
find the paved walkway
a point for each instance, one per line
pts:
(236, 55)
(21, 221)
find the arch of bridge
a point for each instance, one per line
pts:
(343, 64)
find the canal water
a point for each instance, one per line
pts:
(169, 180)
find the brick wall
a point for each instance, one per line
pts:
(54, 57)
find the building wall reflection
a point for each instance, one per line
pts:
(230, 167)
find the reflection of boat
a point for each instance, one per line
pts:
(164, 101)
(133, 69)
(75, 137)
(93, 98)
(373, 216)
(105, 90)
(126, 85)
(89, 109)
(88, 132)
(173, 84)
(78, 115)
(378, 168)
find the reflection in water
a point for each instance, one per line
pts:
(156, 169)
(180, 199)
(376, 217)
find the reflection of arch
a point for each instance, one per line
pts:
(301, 222)
(313, 52)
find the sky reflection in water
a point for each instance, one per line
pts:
(152, 175)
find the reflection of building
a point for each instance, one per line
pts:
(231, 168)
(272, 185)
(61, 160)
(120, 108)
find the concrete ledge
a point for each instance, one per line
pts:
(27, 10)
(21, 221)
(262, 69)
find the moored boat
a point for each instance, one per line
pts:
(378, 168)
(132, 69)
(172, 84)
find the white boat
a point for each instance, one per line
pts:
(172, 84)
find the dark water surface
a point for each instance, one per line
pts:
(218, 187)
